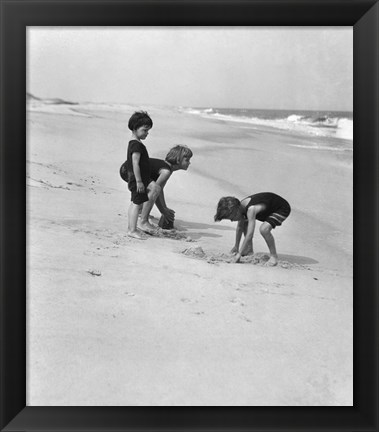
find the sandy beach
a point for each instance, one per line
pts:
(169, 321)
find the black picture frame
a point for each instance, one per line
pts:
(16, 15)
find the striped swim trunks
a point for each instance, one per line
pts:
(279, 216)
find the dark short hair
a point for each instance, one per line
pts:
(226, 208)
(178, 153)
(139, 119)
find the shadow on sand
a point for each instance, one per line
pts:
(196, 225)
(294, 259)
(185, 226)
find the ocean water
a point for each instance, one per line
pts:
(334, 126)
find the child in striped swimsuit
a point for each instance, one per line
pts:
(267, 207)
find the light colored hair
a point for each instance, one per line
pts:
(178, 153)
(227, 207)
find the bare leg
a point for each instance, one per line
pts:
(265, 230)
(153, 194)
(132, 221)
(249, 249)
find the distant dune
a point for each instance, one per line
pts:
(53, 101)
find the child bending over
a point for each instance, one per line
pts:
(267, 207)
(178, 158)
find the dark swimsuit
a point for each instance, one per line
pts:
(144, 164)
(276, 210)
(156, 165)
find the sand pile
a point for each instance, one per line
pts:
(195, 252)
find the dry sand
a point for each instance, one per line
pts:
(170, 321)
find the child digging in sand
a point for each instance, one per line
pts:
(178, 158)
(138, 168)
(267, 207)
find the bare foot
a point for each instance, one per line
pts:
(147, 227)
(272, 262)
(136, 235)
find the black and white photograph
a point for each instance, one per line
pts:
(189, 216)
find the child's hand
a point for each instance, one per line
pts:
(234, 250)
(236, 258)
(169, 215)
(140, 187)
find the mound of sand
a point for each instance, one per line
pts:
(194, 252)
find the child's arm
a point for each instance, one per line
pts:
(137, 172)
(251, 217)
(239, 232)
(160, 202)
(164, 175)
(169, 214)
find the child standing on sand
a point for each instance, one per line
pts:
(138, 168)
(178, 158)
(267, 207)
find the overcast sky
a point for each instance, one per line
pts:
(231, 67)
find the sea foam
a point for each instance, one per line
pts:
(322, 124)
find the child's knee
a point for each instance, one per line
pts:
(151, 186)
(154, 194)
(265, 229)
(156, 190)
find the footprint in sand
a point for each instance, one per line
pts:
(237, 301)
(192, 302)
(187, 300)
